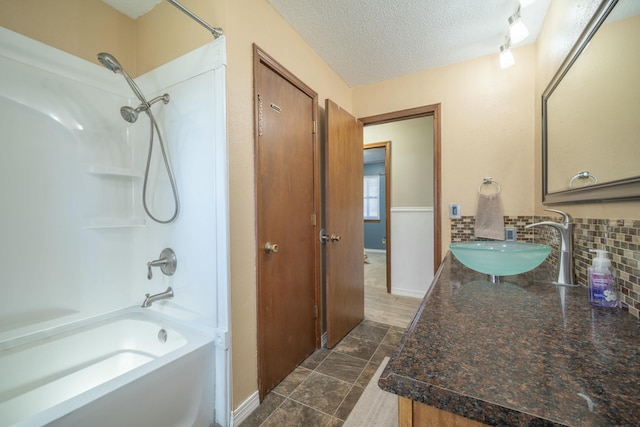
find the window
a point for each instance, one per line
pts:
(372, 197)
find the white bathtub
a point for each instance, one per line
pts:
(130, 368)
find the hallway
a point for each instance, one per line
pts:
(379, 306)
(323, 390)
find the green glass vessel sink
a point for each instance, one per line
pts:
(500, 258)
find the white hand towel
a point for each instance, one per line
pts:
(489, 217)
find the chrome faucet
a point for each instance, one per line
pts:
(565, 262)
(162, 295)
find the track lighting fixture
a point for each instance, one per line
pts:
(517, 30)
(506, 57)
(517, 33)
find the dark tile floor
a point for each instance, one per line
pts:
(323, 390)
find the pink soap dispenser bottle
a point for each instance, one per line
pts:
(602, 291)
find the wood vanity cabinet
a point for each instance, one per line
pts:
(415, 414)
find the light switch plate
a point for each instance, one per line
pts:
(454, 211)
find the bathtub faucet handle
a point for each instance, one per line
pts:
(167, 263)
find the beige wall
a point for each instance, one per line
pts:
(411, 159)
(487, 126)
(165, 33)
(559, 32)
(80, 27)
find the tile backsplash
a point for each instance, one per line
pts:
(619, 237)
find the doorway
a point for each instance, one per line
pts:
(424, 111)
(377, 230)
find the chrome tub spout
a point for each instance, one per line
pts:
(150, 299)
(565, 261)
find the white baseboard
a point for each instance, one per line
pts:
(408, 293)
(323, 342)
(376, 251)
(245, 409)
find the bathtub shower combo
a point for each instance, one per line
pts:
(79, 343)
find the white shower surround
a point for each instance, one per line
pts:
(75, 241)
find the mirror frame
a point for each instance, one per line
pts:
(618, 190)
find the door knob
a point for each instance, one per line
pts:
(271, 248)
(324, 237)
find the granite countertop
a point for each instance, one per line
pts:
(521, 352)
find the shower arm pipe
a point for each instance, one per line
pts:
(217, 32)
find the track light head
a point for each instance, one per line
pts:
(517, 30)
(506, 57)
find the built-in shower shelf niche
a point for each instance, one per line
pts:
(115, 189)
(113, 223)
(106, 171)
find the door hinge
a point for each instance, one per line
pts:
(315, 127)
(315, 311)
(313, 219)
(260, 117)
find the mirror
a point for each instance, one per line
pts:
(591, 113)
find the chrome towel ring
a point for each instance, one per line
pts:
(583, 175)
(488, 181)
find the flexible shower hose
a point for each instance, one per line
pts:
(154, 126)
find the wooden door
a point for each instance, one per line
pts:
(287, 242)
(344, 223)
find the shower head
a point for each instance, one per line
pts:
(109, 62)
(130, 114)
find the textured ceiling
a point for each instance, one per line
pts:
(133, 8)
(366, 41)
